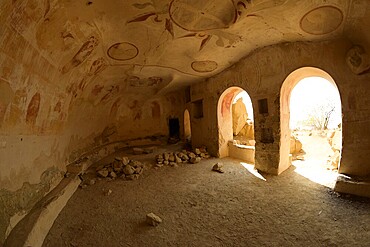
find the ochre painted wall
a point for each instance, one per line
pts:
(262, 74)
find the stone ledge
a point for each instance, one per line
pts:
(349, 185)
(33, 228)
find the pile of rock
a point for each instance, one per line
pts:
(121, 167)
(175, 158)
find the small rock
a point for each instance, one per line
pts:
(138, 170)
(191, 155)
(118, 158)
(113, 175)
(166, 162)
(218, 167)
(108, 192)
(160, 160)
(153, 219)
(178, 160)
(203, 155)
(173, 164)
(92, 181)
(132, 177)
(171, 158)
(185, 157)
(138, 151)
(128, 170)
(117, 165)
(103, 173)
(136, 164)
(125, 161)
(166, 156)
(195, 160)
(83, 186)
(159, 156)
(197, 151)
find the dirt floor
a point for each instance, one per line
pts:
(200, 207)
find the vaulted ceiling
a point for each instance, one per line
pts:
(155, 46)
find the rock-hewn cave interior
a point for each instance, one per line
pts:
(121, 123)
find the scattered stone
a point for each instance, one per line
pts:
(125, 161)
(166, 162)
(117, 165)
(185, 157)
(153, 219)
(137, 151)
(108, 192)
(118, 158)
(128, 170)
(92, 181)
(103, 173)
(171, 158)
(195, 160)
(191, 155)
(197, 151)
(113, 175)
(178, 160)
(132, 177)
(83, 186)
(166, 156)
(159, 156)
(137, 164)
(173, 164)
(218, 167)
(138, 170)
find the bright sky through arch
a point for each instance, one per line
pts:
(310, 93)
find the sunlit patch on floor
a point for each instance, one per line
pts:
(316, 173)
(252, 170)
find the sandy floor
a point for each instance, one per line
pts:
(200, 207)
(315, 166)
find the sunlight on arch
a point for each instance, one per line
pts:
(305, 94)
(314, 94)
(247, 102)
(235, 125)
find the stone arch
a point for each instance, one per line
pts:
(286, 89)
(224, 119)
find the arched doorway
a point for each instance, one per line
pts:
(235, 125)
(187, 126)
(310, 118)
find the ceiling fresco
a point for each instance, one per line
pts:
(164, 45)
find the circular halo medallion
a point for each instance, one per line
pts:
(322, 20)
(123, 51)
